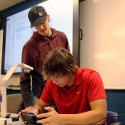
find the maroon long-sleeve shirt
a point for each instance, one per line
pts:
(33, 54)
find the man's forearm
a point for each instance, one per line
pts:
(40, 106)
(87, 118)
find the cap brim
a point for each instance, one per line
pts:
(40, 20)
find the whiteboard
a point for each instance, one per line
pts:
(103, 44)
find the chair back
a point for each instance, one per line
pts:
(112, 118)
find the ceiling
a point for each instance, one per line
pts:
(4, 4)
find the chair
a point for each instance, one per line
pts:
(112, 118)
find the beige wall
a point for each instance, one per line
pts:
(103, 44)
(15, 78)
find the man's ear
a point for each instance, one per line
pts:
(48, 18)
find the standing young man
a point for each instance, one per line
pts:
(35, 50)
(78, 93)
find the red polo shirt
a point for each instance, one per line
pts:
(87, 87)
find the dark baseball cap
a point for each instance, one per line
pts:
(37, 15)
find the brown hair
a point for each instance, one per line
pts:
(58, 62)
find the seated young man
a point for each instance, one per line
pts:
(78, 93)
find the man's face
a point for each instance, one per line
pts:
(66, 80)
(44, 29)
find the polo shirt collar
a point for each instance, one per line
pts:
(54, 32)
(37, 36)
(77, 79)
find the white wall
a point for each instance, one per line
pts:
(103, 44)
(102, 47)
(15, 78)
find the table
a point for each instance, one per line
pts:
(18, 123)
(10, 122)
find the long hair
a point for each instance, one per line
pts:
(58, 62)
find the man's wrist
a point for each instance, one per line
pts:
(29, 107)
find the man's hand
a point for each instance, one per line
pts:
(49, 118)
(30, 109)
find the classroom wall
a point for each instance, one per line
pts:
(15, 79)
(115, 97)
(102, 22)
(115, 101)
(103, 44)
